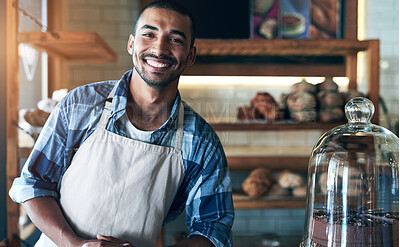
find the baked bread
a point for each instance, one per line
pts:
(266, 105)
(330, 99)
(277, 190)
(257, 183)
(289, 180)
(331, 114)
(303, 86)
(300, 191)
(307, 116)
(328, 85)
(248, 113)
(36, 117)
(300, 101)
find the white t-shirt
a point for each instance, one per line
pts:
(134, 133)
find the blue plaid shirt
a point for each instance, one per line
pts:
(205, 190)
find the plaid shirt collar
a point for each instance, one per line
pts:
(122, 93)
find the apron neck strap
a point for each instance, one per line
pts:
(179, 131)
(107, 108)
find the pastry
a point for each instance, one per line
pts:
(266, 105)
(300, 191)
(288, 179)
(257, 183)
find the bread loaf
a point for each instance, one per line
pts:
(257, 183)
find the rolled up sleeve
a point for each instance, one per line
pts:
(209, 207)
(44, 167)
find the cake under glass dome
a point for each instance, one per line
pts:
(353, 184)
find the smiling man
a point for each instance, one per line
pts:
(118, 159)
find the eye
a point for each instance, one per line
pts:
(150, 35)
(175, 40)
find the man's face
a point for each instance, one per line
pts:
(160, 48)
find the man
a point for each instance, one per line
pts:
(117, 160)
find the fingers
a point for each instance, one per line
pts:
(114, 240)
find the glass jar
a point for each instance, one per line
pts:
(353, 184)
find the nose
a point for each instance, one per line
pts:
(160, 46)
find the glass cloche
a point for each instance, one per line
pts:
(353, 184)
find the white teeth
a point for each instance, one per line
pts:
(156, 64)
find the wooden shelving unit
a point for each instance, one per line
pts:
(247, 58)
(246, 55)
(71, 46)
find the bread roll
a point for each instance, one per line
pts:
(301, 101)
(257, 183)
(277, 190)
(289, 180)
(332, 114)
(328, 85)
(303, 86)
(330, 99)
(300, 191)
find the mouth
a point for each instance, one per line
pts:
(158, 63)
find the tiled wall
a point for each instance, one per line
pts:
(113, 20)
(382, 22)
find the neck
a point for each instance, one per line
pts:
(150, 108)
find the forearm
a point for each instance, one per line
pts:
(195, 241)
(46, 214)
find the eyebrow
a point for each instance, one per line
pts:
(171, 32)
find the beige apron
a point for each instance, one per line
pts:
(119, 187)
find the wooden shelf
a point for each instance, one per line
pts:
(275, 163)
(71, 46)
(276, 126)
(247, 158)
(250, 52)
(260, 47)
(245, 202)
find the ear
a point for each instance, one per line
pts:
(192, 56)
(130, 44)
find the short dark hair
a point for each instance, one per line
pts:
(173, 6)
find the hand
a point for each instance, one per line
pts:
(105, 241)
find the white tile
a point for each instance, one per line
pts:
(117, 15)
(85, 14)
(264, 138)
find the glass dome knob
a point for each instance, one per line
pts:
(359, 110)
